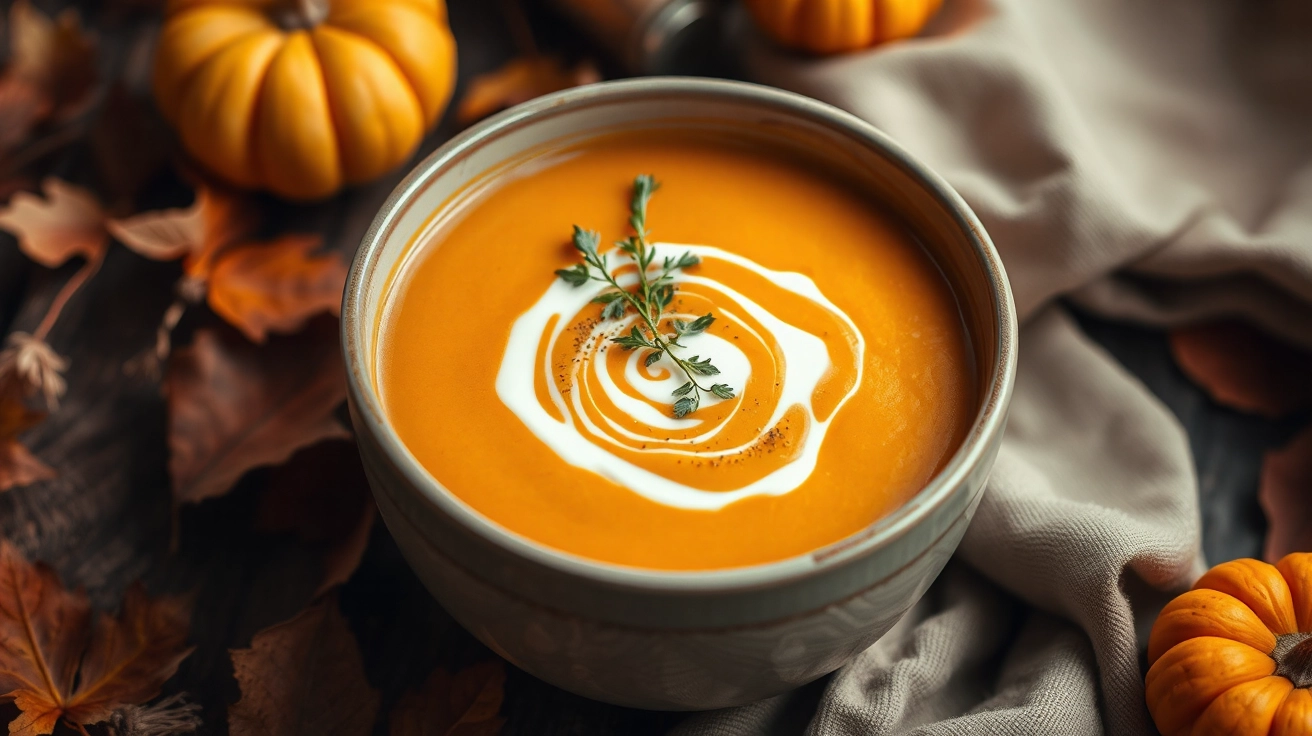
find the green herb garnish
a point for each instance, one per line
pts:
(649, 298)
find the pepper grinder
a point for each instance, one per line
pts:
(651, 37)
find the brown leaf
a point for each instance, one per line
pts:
(1285, 490)
(46, 632)
(197, 232)
(56, 54)
(18, 466)
(22, 106)
(131, 656)
(303, 677)
(234, 407)
(161, 235)
(43, 630)
(1244, 368)
(256, 286)
(68, 222)
(276, 286)
(322, 497)
(468, 704)
(35, 365)
(50, 73)
(520, 80)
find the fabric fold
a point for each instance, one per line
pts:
(1149, 161)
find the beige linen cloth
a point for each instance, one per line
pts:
(1149, 159)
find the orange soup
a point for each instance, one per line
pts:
(739, 360)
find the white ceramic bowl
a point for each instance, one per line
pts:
(681, 640)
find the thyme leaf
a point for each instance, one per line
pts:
(650, 298)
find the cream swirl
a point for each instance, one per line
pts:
(600, 408)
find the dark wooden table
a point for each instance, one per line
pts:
(107, 520)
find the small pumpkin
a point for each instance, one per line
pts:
(1234, 655)
(839, 26)
(299, 97)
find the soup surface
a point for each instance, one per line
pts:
(840, 378)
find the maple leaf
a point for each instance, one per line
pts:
(322, 497)
(256, 286)
(233, 407)
(18, 466)
(259, 287)
(68, 222)
(1244, 368)
(50, 72)
(1284, 490)
(57, 664)
(466, 704)
(520, 80)
(303, 677)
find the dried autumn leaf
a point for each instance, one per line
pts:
(1286, 486)
(21, 106)
(55, 665)
(43, 630)
(234, 407)
(322, 497)
(161, 235)
(256, 286)
(467, 704)
(520, 80)
(303, 677)
(35, 365)
(1244, 368)
(50, 72)
(197, 232)
(68, 222)
(54, 54)
(276, 286)
(18, 466)
(130, 657)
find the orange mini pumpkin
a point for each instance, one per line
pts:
(837, 26)
(1234, 655)
(300, 97)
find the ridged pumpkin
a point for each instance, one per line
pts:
(301, 97)
(1234, 655)
(838, 26)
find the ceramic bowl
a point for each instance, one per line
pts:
(681, 640)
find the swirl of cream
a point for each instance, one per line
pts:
(604, 410)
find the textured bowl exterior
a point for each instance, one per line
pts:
(679, 640)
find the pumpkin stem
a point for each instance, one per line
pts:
(295, 15)
(1293, 656)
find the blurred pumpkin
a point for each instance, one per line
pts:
(1234, 655)
(837, 26)
(300, 97)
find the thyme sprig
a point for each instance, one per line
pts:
(649, 298)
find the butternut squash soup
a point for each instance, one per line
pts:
(680, 351)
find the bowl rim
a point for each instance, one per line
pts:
(989, 422)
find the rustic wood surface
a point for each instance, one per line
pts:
(108, 519)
